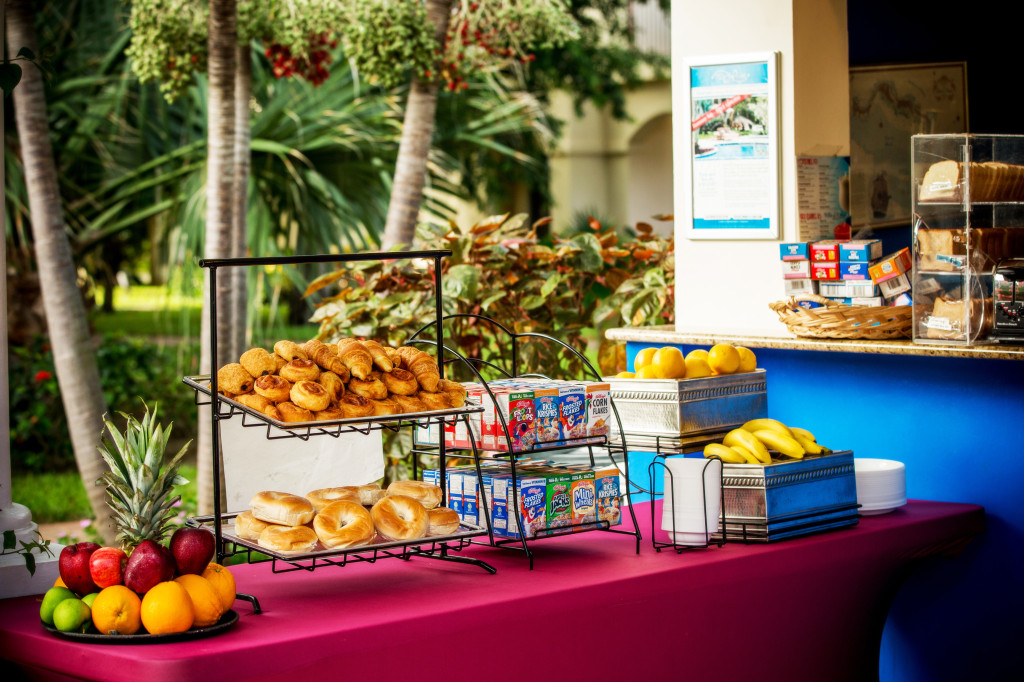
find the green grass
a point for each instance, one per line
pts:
(54, 497)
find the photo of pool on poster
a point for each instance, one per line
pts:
(733, 159)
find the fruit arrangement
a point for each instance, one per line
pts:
(156, 589)
(755, 441)
(143, 584)
(668, 362)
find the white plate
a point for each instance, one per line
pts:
(872, 510)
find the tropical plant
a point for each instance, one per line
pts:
(140, 481)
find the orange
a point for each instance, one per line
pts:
(223, 582)
(117, 611)
(649, 372)
(748, 361)
(670, 361)
(59, 582)
(643, 358)
(206, 604)
(723, 359)
(697, 367)
(698, 353)
(167, 608)
(625, 375)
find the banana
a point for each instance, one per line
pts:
(770, 424)
(780, 442)
(748, 456)
(723, 452)
(808, 442)
(797, 431)
(747, 440)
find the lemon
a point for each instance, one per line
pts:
(698, 353)
(643, 358)
(748, 361)
(723, 358)
(669, 360)
(697, 367)
(650, 372)
(625, 375)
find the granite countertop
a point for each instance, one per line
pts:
(669, 334)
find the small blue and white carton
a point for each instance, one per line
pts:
(860, 250)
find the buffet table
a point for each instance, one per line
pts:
(812, 608)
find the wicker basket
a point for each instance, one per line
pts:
(838, 321)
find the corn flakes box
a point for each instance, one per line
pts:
(546, 403)
(607, 495)
(584, 499)
(599, 409)
(572, 407)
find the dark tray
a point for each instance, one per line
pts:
(225, 623)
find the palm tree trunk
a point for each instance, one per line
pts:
(219, 188)
(73, 354)
(414, 147)
(240, 197)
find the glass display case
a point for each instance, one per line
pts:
(968, 202)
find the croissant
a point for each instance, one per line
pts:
(356, 357)
(327, 357)
(393, 355)
(422, 367)
(380, 358)
(289, 350)
(260, 404)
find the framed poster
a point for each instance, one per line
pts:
(889, 104)
(732, 147)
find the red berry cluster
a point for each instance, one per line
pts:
(481, 37)
(312, 66)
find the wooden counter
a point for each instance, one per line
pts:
(667, 334)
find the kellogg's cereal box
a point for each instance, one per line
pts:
(518, 410)
(572, 408)
(599, 409)
(530, 505)
(584, 501)
(606, 489)
(545, 401)
(559, 499)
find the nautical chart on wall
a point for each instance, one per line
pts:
(889, 104)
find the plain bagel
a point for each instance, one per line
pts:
(397, 517)
(281, 508)
(325, 496)
(248, 527)
(344, 524)
(288, 539)
(427, 494)
(443, 521)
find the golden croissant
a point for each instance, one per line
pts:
(422, 367)
(356, 357)
(380, 358)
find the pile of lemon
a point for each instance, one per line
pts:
(668, 362)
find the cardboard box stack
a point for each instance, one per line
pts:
(851, 272)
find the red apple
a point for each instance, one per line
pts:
(106, 566)
(73, 565)
(149, 563)
(192, 549)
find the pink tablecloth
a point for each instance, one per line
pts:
(806, 609)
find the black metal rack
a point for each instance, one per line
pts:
(669, 491)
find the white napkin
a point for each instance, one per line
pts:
(693, 481)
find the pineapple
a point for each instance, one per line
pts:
(140, 483)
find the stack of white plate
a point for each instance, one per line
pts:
(693, 493)
(881, 485)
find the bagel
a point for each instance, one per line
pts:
(248, 527)
(353, 405)
(273, 387)
(374, 389)
(443, 521)
(400, 381)
(397, 517)
(344, 524)
(290, 412)
(310, 395)
(325, 496)
(288, 539)
(370, 494)
(281, 508)
(299, 370)
(427, 494)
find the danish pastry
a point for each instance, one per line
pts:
(232, 378)
(353, 405)
(290, 412)
(380, 358)
(257, 362)
(385, 407)
(273, 387)
(299, 370)
(310, 395)
(373, 389)
(435, 401)
(356, 357)
(334, 385)
(344, 524)
(400, 381)
(409, 403)
(330, 413)
(289, 350)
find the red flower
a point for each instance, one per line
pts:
(43, 375)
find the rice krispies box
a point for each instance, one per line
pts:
(607, 496)
(546, 404)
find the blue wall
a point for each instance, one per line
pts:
(958, 425)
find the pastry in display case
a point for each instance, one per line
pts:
(968, 199)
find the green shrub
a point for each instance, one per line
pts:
(130, 369)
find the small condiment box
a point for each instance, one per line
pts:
(825, 251)
(860, 250)
(893, 265)
(853, 271)
(796, 269)
(824, 270)
(795, 251)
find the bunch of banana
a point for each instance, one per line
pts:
(750, 444)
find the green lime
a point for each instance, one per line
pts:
(72, 615)
(53, 596)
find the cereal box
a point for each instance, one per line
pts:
(572, 411)
(825, 270)
(584, 502)
(893, 265)
(495, 491)
(796, 269)
(860, 250)
(545, 402)
(518, 410)
(825, 251)
(599, 409)
(795, 251)
(606, 490)
(530, 505)
(559, 499)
